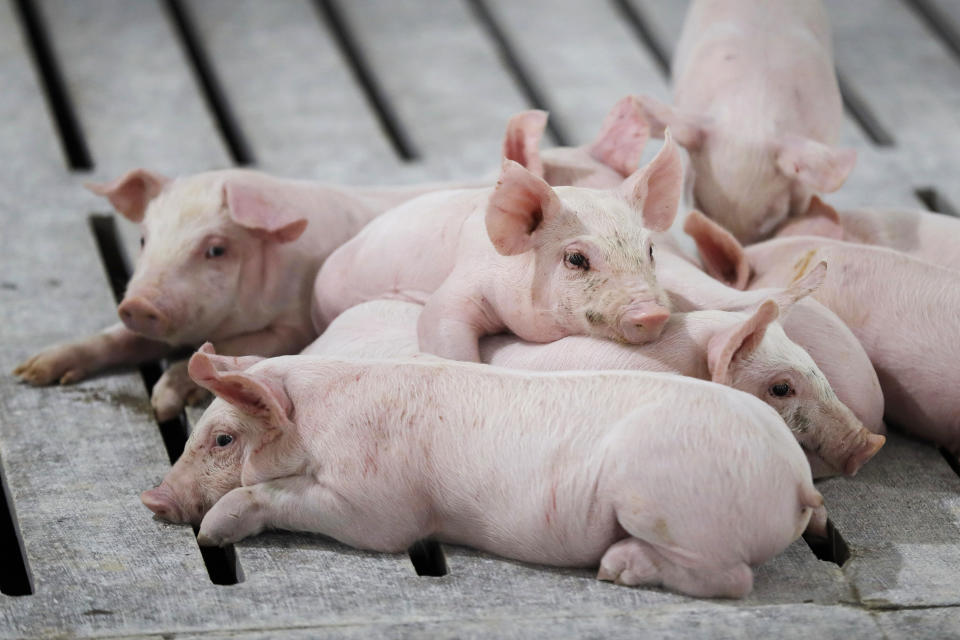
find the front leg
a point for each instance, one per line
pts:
(296, 503)
(75, 361)
(175, 389)
(453, 321)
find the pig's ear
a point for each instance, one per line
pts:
(522, 141)
(262, 206)
(622, 137)
(738, 341)
(688, 130)
(804, 285)
(519, 204)
(821, 167)
(655, 189)
(721, 253)
(131, 193)
(260, 396)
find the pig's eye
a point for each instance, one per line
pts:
(224, 439)
(782, 390)
(650, 252)
(142, 242)
(215, 251)
(577, 260)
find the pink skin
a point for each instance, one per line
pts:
(609, 469)
(756, 103)
(185, 217)
(747, 351)
(902, 310)
(816, 329)
(932, 237)
(541, 262)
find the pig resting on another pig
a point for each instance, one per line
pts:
(629, 471)
(542, 262)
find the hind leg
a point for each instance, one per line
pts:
(633, 562)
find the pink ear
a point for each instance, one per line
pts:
(519, 204)
(722, 254)
(806, 283)
(622, 138)
(817, 165)
(257, 203)
(131, 193)
(522, 141)
(688, 130)
(738, 341)
(257, 395)
(656, 188)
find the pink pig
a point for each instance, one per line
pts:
(756, 103)
(875, 291)
(542, 262)
(615, 469)
(229, 256)
(747, 351)
(933, 237)
(819, 331)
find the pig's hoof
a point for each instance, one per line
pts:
(207, 540)
(629, 563)
(51, 365)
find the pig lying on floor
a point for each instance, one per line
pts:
(629, 471)
(902, 310)
(230, 256)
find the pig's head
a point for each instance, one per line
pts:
(602, 164)
(591, 255)
(745, 179)
(244, 437)
(207, 241)
(756, 356)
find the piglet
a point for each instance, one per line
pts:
(812, 326)
(616, 469)
(902, 310)
(542, 262)
(933, 237)
(757, 105)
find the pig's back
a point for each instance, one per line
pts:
(404, 254)
(772, 59)
(928, 236)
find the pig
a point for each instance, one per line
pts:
(902, 310)
(757, 105)
(747, 351)
(816, 329)
(542, 262)
(208, 230)
(933, 237)
(616, 469)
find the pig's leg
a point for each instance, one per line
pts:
(633, 562)
(299, 503)
(175, 389)
(452, 322)
(74, 361)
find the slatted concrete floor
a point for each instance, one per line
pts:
(362, 91)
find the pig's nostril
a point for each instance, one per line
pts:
(151, 316)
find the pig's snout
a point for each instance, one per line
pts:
(141, 316)
(868, 447)
(161, 501)
(643, 323)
